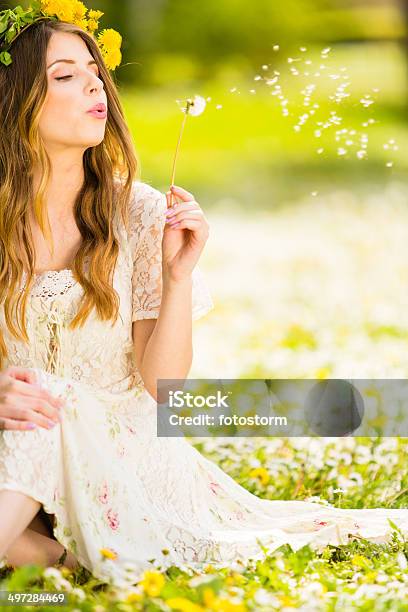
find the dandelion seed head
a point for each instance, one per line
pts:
(194, 106)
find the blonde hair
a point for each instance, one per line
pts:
(23, 90)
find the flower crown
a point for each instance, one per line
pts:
(13, 22)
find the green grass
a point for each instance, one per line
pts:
(359, 576)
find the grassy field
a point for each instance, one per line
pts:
(321, 292)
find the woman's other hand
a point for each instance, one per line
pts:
(24, 405)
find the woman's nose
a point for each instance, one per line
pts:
(96, 84)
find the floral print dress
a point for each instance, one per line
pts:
(105, 475)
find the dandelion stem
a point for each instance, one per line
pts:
(173, 173)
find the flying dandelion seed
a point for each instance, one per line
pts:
(265, 67)
(193, 106)
(218, 106)
(258, 77)
(275, 47)
(389, 164)
(314, 193)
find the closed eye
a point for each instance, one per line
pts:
(64, 77)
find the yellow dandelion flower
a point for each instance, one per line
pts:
(92, 25)
(183, 604)
(63, 9)
(287, 601)
(109, 38)
(112, 58)
(224, 605)
(81, 23)
(132, 597)
(208, 597)
(79, 9)
(261, 473)
(107, 553)
(152, 583)
(95, 14)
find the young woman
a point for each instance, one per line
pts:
(107, 313)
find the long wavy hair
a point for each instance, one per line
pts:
(113, 162)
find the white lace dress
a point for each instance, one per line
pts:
(103, 472)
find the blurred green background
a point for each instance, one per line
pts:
(247, 153)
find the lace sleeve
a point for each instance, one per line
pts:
(146, 226)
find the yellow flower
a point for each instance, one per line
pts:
(260, 473)
(287, 601)
(95, 14)
(112, 58)
(183, 604)
(108, 553)
(109, 38)
(223, 605)
(92, 25)
(79, 9)
(63, 9)
(152, 583)
(208, 597)
(81, 23)
(132, 597)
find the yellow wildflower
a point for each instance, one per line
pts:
(63, 9)
(109, 38)
(183, 604)
(79, 9)
(224, 605)
(95, 14)
(208, 597)
(152, 583)
(112, 58)
(81, 23)
(132, 597)
(108, 553)
(261, 473)
(92, 25)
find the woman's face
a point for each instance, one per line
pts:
(74, 87)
